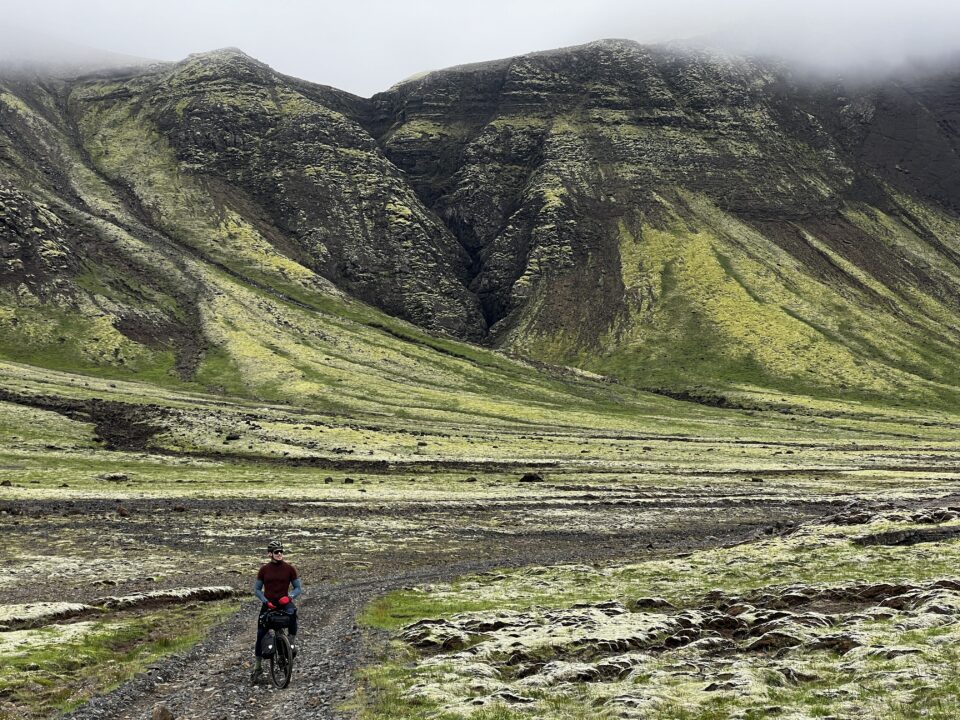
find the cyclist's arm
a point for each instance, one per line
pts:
(258, 591)
(297, 588)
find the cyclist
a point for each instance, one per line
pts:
(272, 588)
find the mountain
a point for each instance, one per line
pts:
(675, 217)
(680, 220)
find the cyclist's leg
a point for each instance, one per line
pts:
(292, 630)
(257, 652)
(261, 631)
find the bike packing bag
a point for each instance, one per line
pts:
(268, 645)
(277, 620)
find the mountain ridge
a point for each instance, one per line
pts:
(672, 218)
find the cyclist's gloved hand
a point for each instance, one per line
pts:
(284, 600)
(271, 605)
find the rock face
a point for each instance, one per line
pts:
(536, 160)
(310, 180)
(671, 217)
(626, 205)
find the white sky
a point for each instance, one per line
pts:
(365, 46)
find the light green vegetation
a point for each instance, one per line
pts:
(422, 129)
(125, 146)
(810, 556)
(58, 667)
(661, 440)
(711, 301)
(83, 339)
(550, 649)
(30, 428)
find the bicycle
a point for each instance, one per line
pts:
(280, 654)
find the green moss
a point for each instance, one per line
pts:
(57, 668)
(423, 129)
(710, 302)
(683, 683)
(84, 341)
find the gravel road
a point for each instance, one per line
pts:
(212, 680)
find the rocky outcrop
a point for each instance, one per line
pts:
(307, 177)
(21, 617)
(166, 597)
(730, 644)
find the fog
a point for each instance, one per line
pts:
(367, 45)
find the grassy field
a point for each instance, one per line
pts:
(58, 667)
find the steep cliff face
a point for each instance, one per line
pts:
(210, 221)
(572, 140)
(678, 218)
(670, 217)
(307, 179)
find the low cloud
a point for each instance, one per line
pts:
(366, 45)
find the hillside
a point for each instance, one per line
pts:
(695, 224)
(621, 350)
(678, 218)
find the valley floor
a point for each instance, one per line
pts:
(212, 680)
(351, 550)
(133, 518)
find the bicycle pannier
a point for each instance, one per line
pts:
(268, 645)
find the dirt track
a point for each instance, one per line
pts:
(212, 680)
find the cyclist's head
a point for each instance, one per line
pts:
(275, 547)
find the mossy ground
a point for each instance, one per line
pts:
(616, 474)
(905, 665)
(54, 669)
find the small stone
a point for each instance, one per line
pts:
(651, 603)
(161, 712)
(113, 477)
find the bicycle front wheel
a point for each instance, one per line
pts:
(281, 663)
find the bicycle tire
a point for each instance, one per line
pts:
(281, 662)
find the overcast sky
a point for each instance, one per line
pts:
(365, 46)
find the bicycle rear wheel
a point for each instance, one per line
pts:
(281, 662)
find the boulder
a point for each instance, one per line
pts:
(161, 712)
